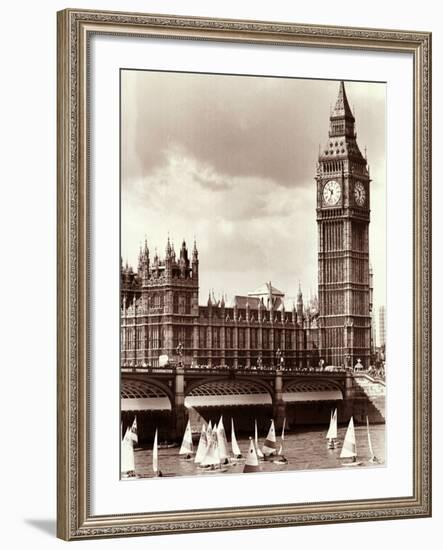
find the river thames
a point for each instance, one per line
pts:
(304, 450)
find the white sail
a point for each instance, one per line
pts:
(187, 447)
(235, 448)
(202, 446)
(133, 432)
(332, 431)
(155, 453)
(222, 440)
(127, 457)
(349, 449)
(212, 457)
(369, 439)
(209, 430)
(218, 457)
(257, 448)
(280, 449)
(251, 464)
(270, 444)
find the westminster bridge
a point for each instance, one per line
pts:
(165, 397)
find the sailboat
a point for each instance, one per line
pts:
(251, 464)
(127, 457)
(349, 449)
(202, 445)
(331, 436)
(257, 448)
(234, 445)
(222, 442)
(133, 432)
(211, 460)
(281, 457)
(269, 448)
(373, 459)
(155, 469)
(187, 447)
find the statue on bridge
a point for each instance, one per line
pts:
(280, 359)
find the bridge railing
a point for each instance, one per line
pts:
(244, 371)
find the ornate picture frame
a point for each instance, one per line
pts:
(75, 519)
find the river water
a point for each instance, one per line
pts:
(304, 449)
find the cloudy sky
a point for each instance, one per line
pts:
(231, 160)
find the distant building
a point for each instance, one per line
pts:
(381, 326)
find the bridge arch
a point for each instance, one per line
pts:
(306, 390)
(228, 392)
(142, 395)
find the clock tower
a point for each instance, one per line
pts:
(343, 213)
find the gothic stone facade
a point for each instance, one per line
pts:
(160, 309)
(343, 213)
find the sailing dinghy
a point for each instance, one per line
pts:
(157, 472)
(202, 445)
(251, 464)
(331, 436)
(127, 457)
(211, 460)
(209, 431)
(222, 442)
(269, 448)
(187, 447)
(281, 457)
(234, 445)
(349, 449)
(257, 448)
(373, 459)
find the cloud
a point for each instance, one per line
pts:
(256, 129)
(231, 160)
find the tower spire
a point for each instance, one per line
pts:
(342, 107)
(341, 120)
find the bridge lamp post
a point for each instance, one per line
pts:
(259, 362)
(278, 355)
(179, 351)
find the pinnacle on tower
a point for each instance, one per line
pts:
(168, 249)
(342, 108)
(183, 251)
(195, 251)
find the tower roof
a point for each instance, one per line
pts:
(342, 108)
(342, 139)
(265, 290)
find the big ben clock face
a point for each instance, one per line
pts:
(359, 193)
(331, 193)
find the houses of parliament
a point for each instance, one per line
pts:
(161, 314)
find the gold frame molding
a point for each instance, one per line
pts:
(74, 519)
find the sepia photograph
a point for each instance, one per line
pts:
(252, 274)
